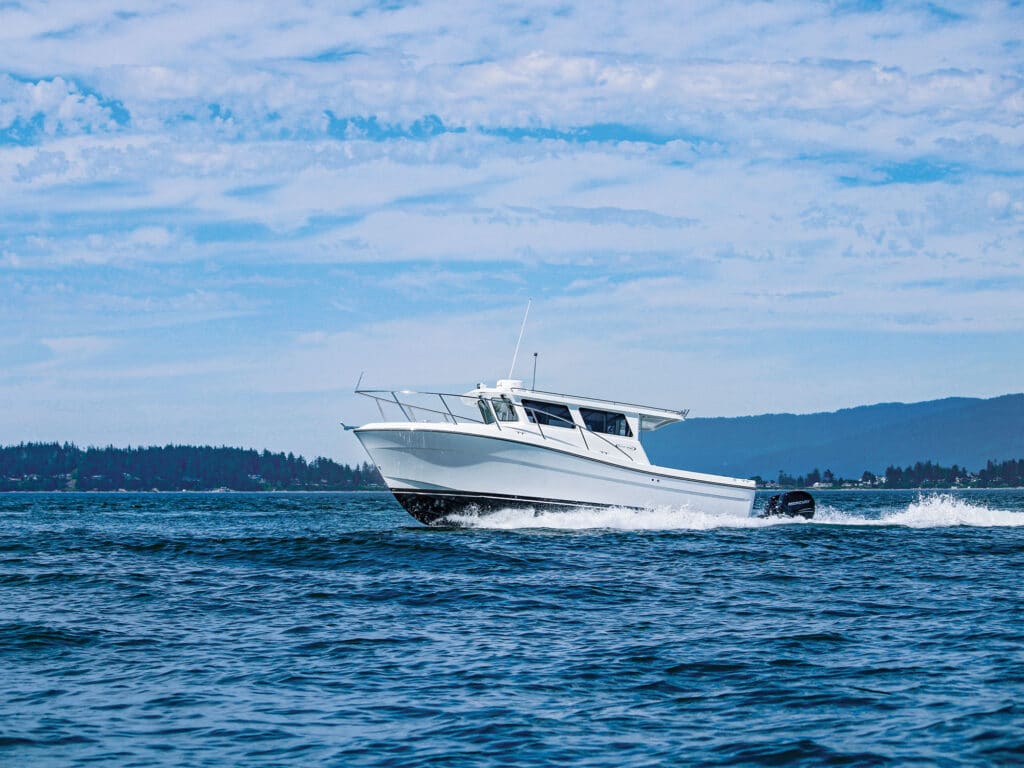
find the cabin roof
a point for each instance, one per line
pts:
(652, 418)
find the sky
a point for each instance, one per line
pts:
(215, 216)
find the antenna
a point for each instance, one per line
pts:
(534, 387)
(521, 329)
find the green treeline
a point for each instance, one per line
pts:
(1004, 474)
(56, 467)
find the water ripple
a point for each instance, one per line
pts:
(328, 629)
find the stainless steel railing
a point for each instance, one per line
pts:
(408, 409)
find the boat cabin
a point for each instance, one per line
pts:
(617, 424)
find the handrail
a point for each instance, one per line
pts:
(574, 425)
(378, 396)
(569, 398)
(631, 406)
(401, 407)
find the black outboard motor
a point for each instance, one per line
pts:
(790, 504)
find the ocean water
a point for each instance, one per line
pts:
(333, 630)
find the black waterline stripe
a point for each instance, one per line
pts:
(508, 497)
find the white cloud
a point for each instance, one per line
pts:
(62, 107)
(77, 346)
(658, 174)
(150, 236)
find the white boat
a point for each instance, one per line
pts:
(507, 446)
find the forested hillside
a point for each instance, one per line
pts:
(967, 432)
(922, 474)
(55, 466)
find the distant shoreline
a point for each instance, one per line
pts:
(213, 492)
(64, 467)
(893, 491)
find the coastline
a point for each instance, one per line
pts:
(218, 492)
(211, 492)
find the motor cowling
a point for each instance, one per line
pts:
(790, 504)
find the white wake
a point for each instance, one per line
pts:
(613, 518)
(938, 511)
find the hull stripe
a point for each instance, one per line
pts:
(431, 506)
(471, 496)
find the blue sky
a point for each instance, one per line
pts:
(213, 216)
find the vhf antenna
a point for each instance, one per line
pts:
(521, 329)
(534, 387)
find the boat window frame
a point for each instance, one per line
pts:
(485, 410)
(507, 412)
(553, 419)
(584, 411)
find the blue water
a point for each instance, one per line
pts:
(331, 629)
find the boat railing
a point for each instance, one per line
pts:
(443, 407)
(412, 409)
(573, 425)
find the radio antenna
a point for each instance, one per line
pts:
(534, 387)
(521, 329)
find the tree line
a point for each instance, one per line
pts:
(926, 474)
(66, 467)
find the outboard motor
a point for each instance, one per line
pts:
(790, 504)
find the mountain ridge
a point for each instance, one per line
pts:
(961, 430)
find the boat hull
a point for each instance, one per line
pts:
(432, 507)
(437, 473)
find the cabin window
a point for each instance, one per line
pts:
(485, 411)
(548, 414)
(504, 410)
(606, 422)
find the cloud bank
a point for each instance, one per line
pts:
(212, 217)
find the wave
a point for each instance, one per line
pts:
(939, 511)
(611, 518)
(934, 511)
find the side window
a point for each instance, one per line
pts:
(606, 422)
(504, 410)
(485, 411)
(548, 414)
